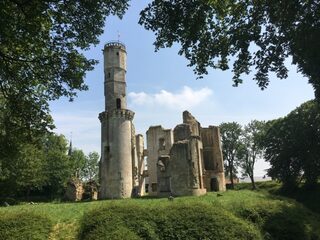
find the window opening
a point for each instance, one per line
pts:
(118, 103)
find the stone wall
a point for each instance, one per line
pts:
(139, 167)
(185, 168)
(74, 190)
(214, 178)
(159, 143)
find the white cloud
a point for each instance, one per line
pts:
(186, 98)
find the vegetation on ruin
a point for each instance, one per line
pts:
(263, 214)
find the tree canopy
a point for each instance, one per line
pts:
(293, 146)
(41, 53)
(251, 35)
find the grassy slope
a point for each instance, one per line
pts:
(268, 213)
(309, 198)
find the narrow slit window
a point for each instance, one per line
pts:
(107, 149)
(118, 103)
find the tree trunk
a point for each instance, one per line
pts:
(231, 176)
(253, 183)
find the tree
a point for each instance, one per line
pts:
(293, 146)
(77, 162)
(231, 145)
(28, 170)
(91, 167)
(252, 148)
(41, 55)
(257, 35)
(58, 164)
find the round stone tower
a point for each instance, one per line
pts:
(117, 130)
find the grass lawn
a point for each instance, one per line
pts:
(271, 216)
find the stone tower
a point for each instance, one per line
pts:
(117, 130)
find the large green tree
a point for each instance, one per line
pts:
(293, 146)
(251, 35)
(41, 55)
(41, 166)
(231, 133)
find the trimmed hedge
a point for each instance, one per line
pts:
(173, 221)
(25, 226)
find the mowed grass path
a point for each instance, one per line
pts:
(266, 213)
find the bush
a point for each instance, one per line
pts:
(201, 221)
(282, 221)
(10, 201)
(25, 226)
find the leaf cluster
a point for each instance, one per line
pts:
(41, 55)
(293, 145)
(256, 35)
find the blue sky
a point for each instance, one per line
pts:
(160, 86)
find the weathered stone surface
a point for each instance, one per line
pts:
(213, 160)
(159, 142)
(139, 167)
(74, 190)
(118, 152)
(186, 168)
(192, 165)
(90, 191)
(192, 122)
(182, 132)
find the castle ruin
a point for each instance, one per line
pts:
(185, 161)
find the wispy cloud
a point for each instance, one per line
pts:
(186, 98)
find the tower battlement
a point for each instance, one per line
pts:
(115, 44)
(118, 113)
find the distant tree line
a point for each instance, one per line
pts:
(290, 144)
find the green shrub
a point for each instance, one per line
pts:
(10, 201)
(24, 226)
(281, 220)
(168, 221)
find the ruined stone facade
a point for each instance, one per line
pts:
(185, 161)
